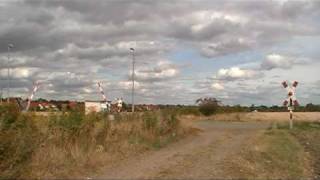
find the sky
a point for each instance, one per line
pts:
(236, 51)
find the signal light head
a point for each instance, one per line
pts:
(295, 84)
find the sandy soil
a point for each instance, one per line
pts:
(201, 156)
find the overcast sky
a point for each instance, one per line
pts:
(237, 51)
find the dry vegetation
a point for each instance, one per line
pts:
(280, 154)
(266, 116)
(73, 144)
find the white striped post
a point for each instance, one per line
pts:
(101, 91)
(104, 97)
(35, 88)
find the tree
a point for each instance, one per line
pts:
(208, 105)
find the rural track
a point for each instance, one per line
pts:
(201, 156)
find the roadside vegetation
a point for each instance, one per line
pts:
(281, 154)
(72, 144)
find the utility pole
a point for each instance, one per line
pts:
(132, 92)
(9, 82)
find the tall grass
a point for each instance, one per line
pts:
(72, 144)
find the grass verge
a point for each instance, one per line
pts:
(280, 154)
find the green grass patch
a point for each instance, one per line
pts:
(275, 154)
(282, 154)
(287, 153)
(308, 135)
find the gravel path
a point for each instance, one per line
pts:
(200, 156)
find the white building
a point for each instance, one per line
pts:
(94, 106)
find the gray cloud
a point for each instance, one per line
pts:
(273, 61)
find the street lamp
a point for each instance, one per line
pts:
(10, 46)
(132, 92)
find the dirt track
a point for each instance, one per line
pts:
(202, 156)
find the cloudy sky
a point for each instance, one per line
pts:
(237, 51)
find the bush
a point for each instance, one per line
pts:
(9, 113)
(208, 106)
(169, 120)
(208, 109)
(18, 143)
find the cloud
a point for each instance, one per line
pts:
(235, 73)
(273, 61)
(217, 86)
(225, 47)
(17, 73)
(164, 70)
(128, 84)
(277, 61)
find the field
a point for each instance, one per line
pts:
(160, 145)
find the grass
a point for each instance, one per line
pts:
(308, 135)
(73, 144)
(282, 153)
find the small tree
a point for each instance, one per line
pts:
(208, 106)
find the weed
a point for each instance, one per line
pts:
(308, 135)
(150, 121)
(18, 143)
(9, 113)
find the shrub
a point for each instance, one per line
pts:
(9, 113)
(208, 109)
(18, 143)
(150, 120)
(170, 120)
(208, 106)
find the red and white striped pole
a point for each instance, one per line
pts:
(35, 88)
(108, 105)
(101, 91)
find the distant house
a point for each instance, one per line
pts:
(43, 106)
(94, 106)
(73, 105)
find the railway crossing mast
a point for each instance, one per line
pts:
(291, 100)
